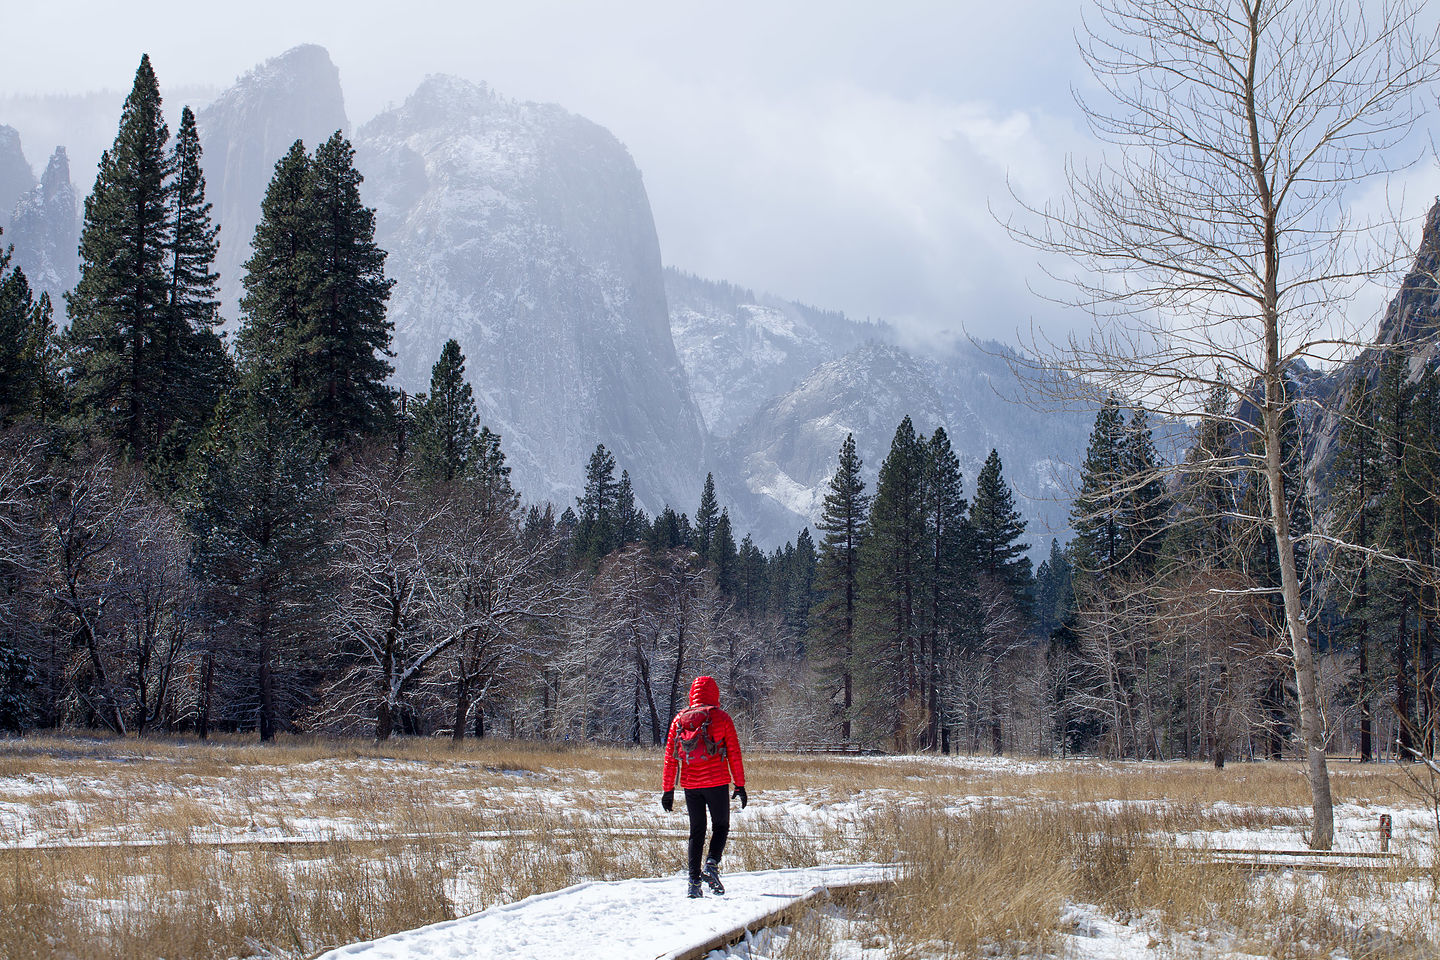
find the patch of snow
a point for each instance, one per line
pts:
(621, 919)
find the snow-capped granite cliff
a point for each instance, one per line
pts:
(524, 232)
(295, 96)
(740, 349)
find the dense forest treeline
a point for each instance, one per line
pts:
(263, 536)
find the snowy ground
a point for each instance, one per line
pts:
(655, 919)
(518, 823)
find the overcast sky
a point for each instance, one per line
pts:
(847, 153)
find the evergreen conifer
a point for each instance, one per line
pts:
(259, 510)
(837, 576)
(707, 517)
(1098, 514)
(347, 332)
(446, 432)
(120, 314)
(193, 365)
(595, 530)
(893, 590)
(29, 381)
(996, 526)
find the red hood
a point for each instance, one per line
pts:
(704, 691)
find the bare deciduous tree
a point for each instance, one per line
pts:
(1219, 228)
(388, 636)
(499, 589)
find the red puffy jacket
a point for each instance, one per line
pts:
(709, 771)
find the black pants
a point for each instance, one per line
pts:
(717, 801)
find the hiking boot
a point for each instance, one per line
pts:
(694, 892)
(711, 875)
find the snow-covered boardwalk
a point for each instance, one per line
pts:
(623, 919)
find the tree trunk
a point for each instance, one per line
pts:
(1404, 721)
(383, 714)
(1366, 746)
(383, 720)
(1275, 398)
(997, 734)
(462, 705)
(1311, 731)
(635, 709)
(267, 693)
(207, 683)
(1427, 682)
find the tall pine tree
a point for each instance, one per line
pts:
(446, 431)
(630, 523)
(894, 593)
(120, 316)
(259, 509)
(1054, 590)
(996, 526)
(707, 518)
(837, 579)
(949, 577)
(315, 293)
(1145, 506)
(275, 303)
(194, 366)
(596, 530)
(1001, 566)
(348, 333)
(1098, 514)
(29, 380)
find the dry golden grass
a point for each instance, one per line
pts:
(416, 831)
(995, 883)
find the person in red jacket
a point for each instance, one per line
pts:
(702, 743)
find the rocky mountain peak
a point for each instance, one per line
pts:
(443, 97)
(57, 172)
(16, 177)
(1414, 313)
(739, 347)
(524, 232)
(46, 231)
(295, 96)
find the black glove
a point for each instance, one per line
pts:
(740, 792)
(667, 800)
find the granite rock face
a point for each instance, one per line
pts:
(524, 232)
(1411, 320)
(295, 96)
(45, 229)
(16, 177)
(739, 348)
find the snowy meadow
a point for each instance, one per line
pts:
(126, 848)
